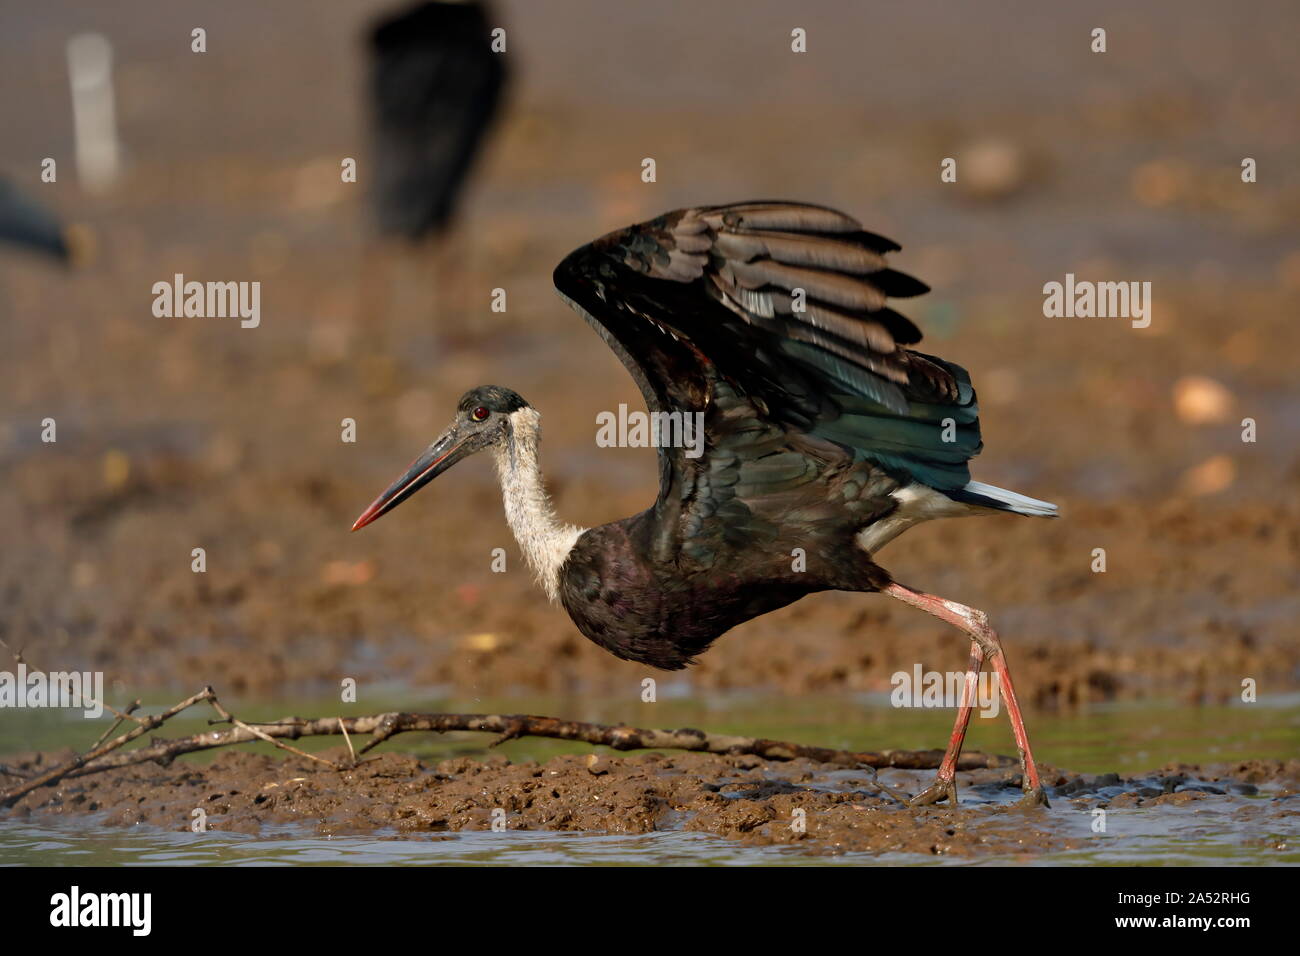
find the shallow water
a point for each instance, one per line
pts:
(1164, 836)
(1123, 739)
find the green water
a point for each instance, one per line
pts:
(1125, 739)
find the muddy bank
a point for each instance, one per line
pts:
(823, 809)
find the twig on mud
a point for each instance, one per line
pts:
(102, 751)
(120, 715)
(17, 655)
(228, 718)
(348, 740)
(890, 792)
(380, 727)
(135, 705)
(514, 729)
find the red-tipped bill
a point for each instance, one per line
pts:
(442, 454)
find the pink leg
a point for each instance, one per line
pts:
(985, 639)
(945, 783)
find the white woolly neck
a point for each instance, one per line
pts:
(545, 540)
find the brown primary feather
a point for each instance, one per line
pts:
(780, 216)
(835, 288)
(795, 249)
(837, 346)
(866, 332)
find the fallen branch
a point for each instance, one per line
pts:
(228, 718)
(102, 751)
(381, 727)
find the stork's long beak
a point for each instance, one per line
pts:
(442, 454)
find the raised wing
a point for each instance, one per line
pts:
(784, 304)
(434, 88)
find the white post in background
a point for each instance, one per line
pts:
(90, 70)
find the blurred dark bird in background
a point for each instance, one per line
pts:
(435, 86)
(821, 436)
(25, 222)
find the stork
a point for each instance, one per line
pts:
(26, 223)
(824, 431)
(435, 85)
(434, 89)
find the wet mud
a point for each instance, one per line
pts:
(818, 808)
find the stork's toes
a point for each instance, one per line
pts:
(941, 789)
(1037, 797)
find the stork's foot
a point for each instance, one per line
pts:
(943, 788)
(985, 645)
(1034, 797)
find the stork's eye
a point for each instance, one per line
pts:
(479, 414)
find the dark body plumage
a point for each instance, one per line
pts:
(435, 86)
(812, 416)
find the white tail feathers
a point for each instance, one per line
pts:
(1005, 500)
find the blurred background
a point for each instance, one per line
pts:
(175, 434)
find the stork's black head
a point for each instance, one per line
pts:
(482, 420)
(494, 398)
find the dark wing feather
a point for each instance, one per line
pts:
(435, 85)
(707, 295)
